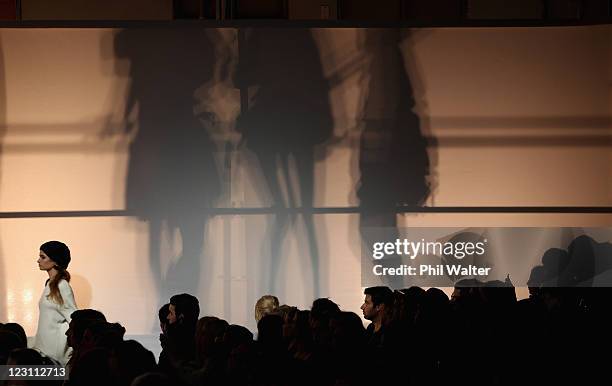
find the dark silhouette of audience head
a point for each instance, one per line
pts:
(236, 335)
(8, 342)
(184, 308)
(80, 320)
(434, 312)
(17, 329)
(347, 332)
(25, 356)
(498, 294)
(411, 303)
(323, 308)
(208, 337)
(238, 342)
(377, 299)
(163, 313)
(101, 334)
(286, 311)
(129, 360)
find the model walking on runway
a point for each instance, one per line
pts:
(56, 303)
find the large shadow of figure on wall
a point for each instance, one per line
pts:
(286, 115)
(172, 178)
(394, 164)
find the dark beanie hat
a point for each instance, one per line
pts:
(58, 252)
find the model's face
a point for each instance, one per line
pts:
(44, 262)
(369, 311)
(172, 314)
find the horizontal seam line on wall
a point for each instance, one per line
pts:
(327, 210)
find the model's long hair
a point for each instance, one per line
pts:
(55, 294)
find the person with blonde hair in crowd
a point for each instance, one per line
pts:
(56, 303)
(267, 304)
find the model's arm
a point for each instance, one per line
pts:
(69, 305)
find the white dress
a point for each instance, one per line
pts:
(53, 321)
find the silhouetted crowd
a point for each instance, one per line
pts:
(481, 336)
